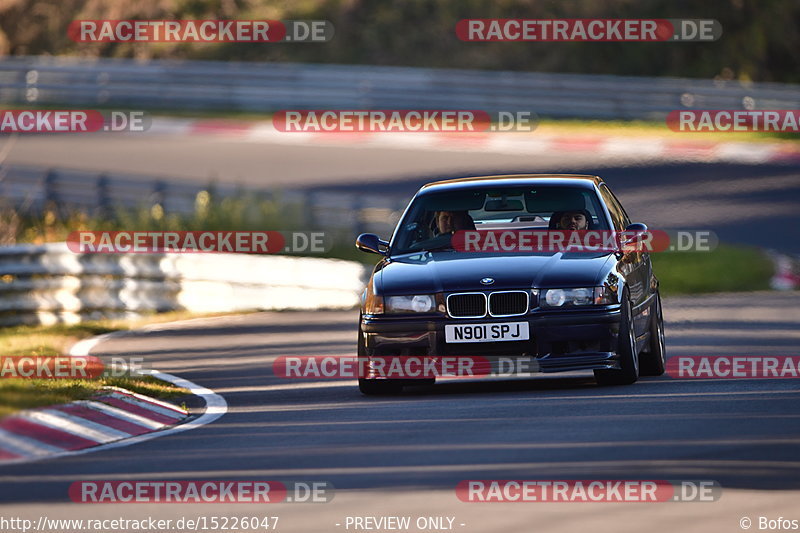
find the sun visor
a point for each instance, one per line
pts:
(455, 201)
(544, 200)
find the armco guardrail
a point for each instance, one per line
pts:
(265, 87)
(50, 284)
(32, 189)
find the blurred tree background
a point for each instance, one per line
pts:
(760, 41)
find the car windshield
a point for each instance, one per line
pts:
(433, 218)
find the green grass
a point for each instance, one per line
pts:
(243, 211)
(18, 394)
(727, 268)
(44, 341)
(643, 128)
(47, 340)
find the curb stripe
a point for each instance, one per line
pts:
(4, 454)
(81, 411)
(77, 426)
(138, 410)
(24, 446)
(122, 415)
(55, 438)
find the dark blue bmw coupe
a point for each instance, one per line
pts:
(561, 310)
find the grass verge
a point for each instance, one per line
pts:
(727, 268)
(44, 341)
(19, 394)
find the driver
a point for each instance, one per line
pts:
(452, 221)
(573, 220)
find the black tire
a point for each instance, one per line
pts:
(373, 387)
(653, 361)
(378, 387)
(626, 350)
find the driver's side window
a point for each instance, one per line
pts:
(423, 229)
(618, 216)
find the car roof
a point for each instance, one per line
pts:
(585, 181)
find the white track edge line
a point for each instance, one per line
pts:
(82, 348)
(173, 409)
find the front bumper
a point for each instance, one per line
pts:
(560, 341)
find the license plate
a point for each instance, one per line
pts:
(508, 331)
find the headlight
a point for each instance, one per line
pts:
(577, 297)
(416, 303)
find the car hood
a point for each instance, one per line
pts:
(457, 271)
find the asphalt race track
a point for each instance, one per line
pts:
(404, 455)
(741, 433)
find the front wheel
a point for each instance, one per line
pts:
(653, 362)
(373, 387)
(626, 351)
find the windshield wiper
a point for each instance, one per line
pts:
(439, 248)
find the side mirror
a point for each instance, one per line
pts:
(634, 235)
(369, 242)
